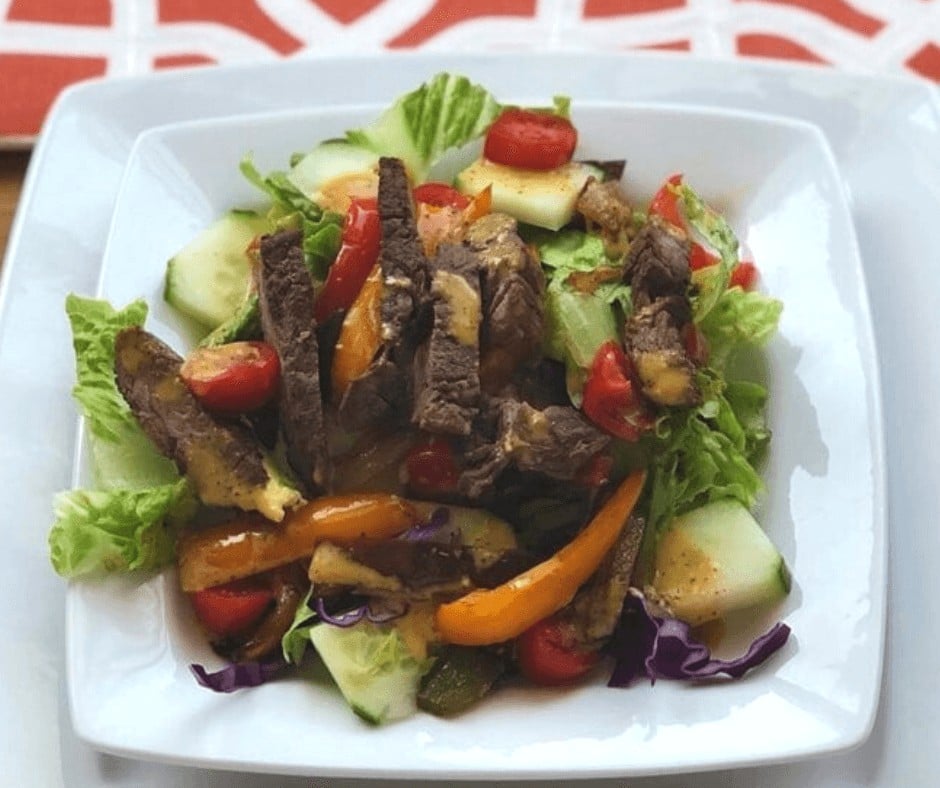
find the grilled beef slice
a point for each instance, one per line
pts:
(222, 460)
(286, 298)
(659, 275)
(658, 263)
(555, 442)
(606, 211)
(446, 379)
(513, 295)
(381, 393)
(597, 607)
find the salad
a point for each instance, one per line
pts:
(441, 433)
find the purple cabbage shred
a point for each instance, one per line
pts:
(663, 648)
(237, 676)
(425, 532)
(377, 615)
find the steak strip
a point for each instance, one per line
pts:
(286, 299)
(381, 394)
(222, 460)
(446, 379)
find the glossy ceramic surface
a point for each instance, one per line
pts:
(885, 137)
(779, 187)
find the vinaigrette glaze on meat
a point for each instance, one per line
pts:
(503, 446)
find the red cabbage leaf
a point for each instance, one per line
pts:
(663, 648)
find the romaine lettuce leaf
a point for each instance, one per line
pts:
(123, 455)
(99, 531)
(706, 453)
(294, 642)
(711, 281)
(739, 317)
(322, 230)
(448, 111)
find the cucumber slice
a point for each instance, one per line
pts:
(545, 198)
(717, 559)
(208, 279)
(373, 668)
(329, 161)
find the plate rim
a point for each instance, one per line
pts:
(864, 721)
(921, 92)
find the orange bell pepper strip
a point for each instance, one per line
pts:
(479, 206)
(488, 616)
(360, 335)
(250, 544)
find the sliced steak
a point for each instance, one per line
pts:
(513, 298)
(446, 377)
(286, 299)
(658, 263)
(607, 212)
(557, 442)
(597, 607)
(381, 394)
(654, 340)
(223, 461)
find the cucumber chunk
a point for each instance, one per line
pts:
(330, 161)
(208, 279)
(545, 198)
(373, 668)
(714, 560)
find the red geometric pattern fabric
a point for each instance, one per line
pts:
(48, 44)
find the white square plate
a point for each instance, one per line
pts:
(885, 134)
(779, 186)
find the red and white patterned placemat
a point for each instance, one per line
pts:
(46, 45)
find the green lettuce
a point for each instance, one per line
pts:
(712, 281)
(577, 323)
(448, 111)
(707, 453)
(123, 455)
(322, 230)
(739, 318)
(294, 642)
(97, 531)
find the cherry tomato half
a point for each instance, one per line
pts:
(610, 397)
(530, 140)
(231, 609)
(440, 195)
(744, 276)
(548, 654)
(233, 378)
(699, 257)
(357, 254)
(431, 468)
(665, 203)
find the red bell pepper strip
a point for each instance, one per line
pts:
(357, 255)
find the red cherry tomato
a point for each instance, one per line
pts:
(744, 276)
(610, 398)
(431, 468)
(665, 203)
(231, 609)
(530, 140)
(700, 258)
(548, 654)
(357, 254)
(440, 195)
(233, 378)
(596, 471)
